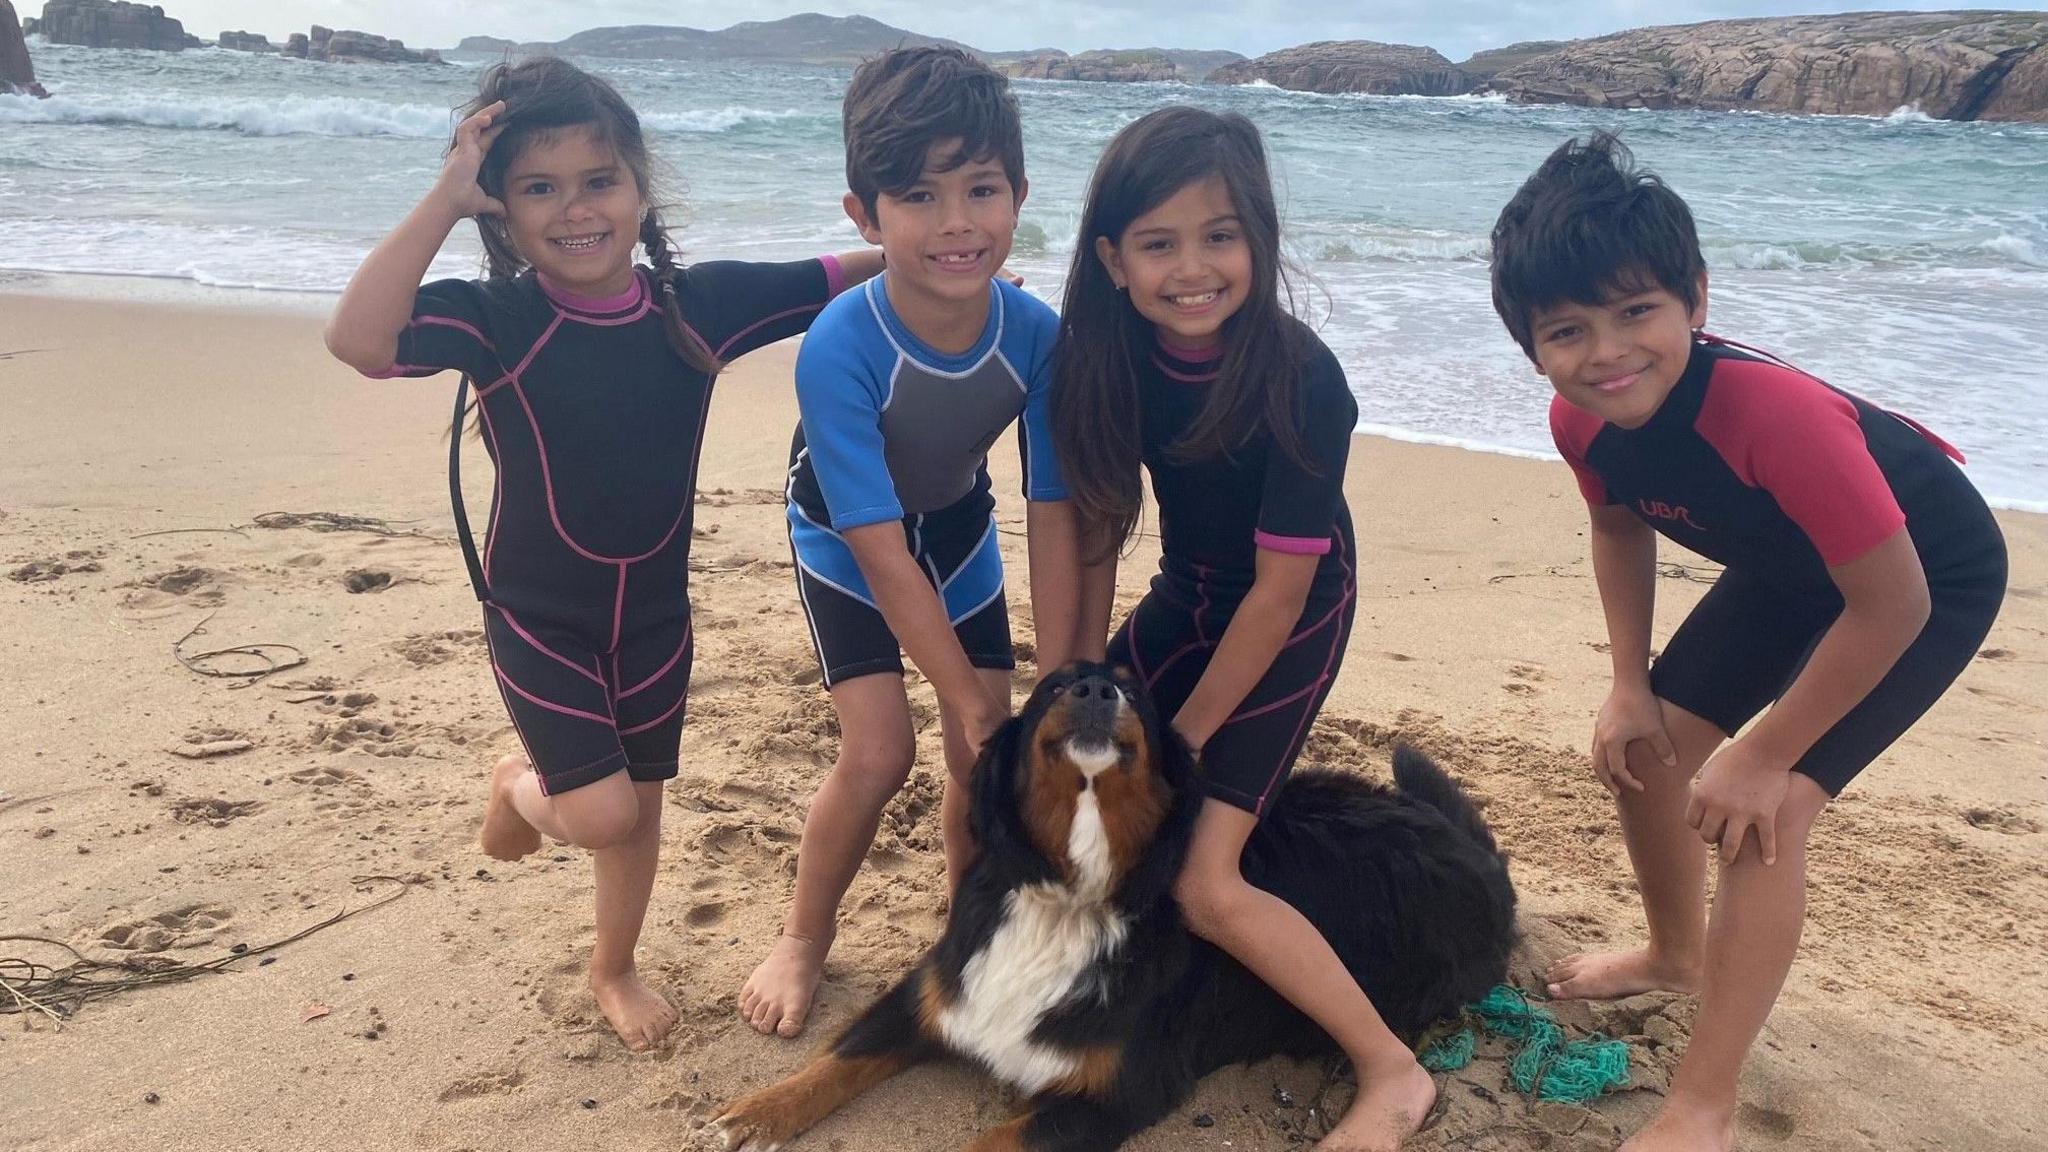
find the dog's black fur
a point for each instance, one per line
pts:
(1406, 884)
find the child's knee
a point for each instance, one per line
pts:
(877, 769)
(1209, 901)
(597, 817)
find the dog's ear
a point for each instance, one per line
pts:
(992, 804)
(1152, 878)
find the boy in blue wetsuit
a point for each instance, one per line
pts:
(902, 391)
(1862, 571)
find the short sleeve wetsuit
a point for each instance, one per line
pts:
(895, 430)
(595, 425)
(1778, 477)
(1215, 514)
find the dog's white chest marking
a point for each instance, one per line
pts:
(1049, 939)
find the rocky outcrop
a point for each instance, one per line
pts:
(1109, 67)
(493, 45)
(349, 47)
(1950, 65)
(1483, 65)
(1352, 66)
(246, 42)
(17, 71)
(112, 24)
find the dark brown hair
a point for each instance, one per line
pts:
(1095, 416)
(545, 96)
(906, 100)
(1588, 225)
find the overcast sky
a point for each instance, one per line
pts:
(1456, 28)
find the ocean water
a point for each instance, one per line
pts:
(1902, 258)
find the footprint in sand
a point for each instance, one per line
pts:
(1772, 1123)
(2001, 820)
(1995, 654)
(53, 568)
(179, 928)
(484, 1084)
(360, 580)
(1523, 678)
(377, 737)
(212, 812)
(707, 915)
(326, 777)
(190, 587)
(425, 649)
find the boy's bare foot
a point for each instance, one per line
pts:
(1613, 975)
(1682, 1126)
(506, 834)
(1389, 1108)
(641, 1016)
(777, 997)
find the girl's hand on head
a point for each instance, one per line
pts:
(1631, 713)
(1740, 789)
(458, 185)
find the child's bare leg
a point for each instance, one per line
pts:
(625, 880)
(876, 749)
(1268, 936)
(506, 834)
(1759, 912)
(954, 808)
(619, 821)
(1671, 871)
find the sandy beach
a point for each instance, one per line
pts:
(153, 816)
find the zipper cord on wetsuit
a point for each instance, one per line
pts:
(462, 532)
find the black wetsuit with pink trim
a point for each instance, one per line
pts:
(595, 425)
(1779, 477)
(1215, 514)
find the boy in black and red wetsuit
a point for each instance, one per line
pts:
(1862, 573)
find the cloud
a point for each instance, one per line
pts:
(1456, 28)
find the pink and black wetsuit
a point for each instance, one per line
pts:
(1215, 514)
(1778, 477)
(595, 425)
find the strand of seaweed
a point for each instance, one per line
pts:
(260, 650)
(60, 992)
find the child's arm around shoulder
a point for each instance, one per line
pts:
(734, 307)
(374, 310)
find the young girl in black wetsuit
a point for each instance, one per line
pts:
(1175, 352)
(593, 377)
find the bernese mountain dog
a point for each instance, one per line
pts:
(1065, 971)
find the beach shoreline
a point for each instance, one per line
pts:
(147, 437)
(180, 292)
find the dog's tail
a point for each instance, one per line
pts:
(1419, 777)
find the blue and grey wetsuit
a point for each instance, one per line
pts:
(894, 430)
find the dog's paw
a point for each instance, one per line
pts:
(755, 1124)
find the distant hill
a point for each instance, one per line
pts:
(805, 39)
(814, 39)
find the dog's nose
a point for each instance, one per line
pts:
(1099, 688)
(1092, 704)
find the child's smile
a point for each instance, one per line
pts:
(1620, 358)
(1185, 263)
(573, 210)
